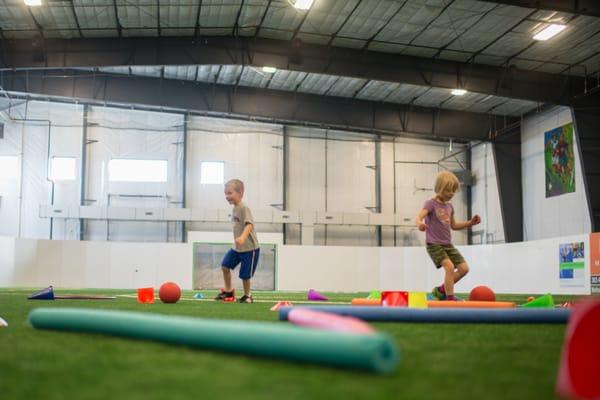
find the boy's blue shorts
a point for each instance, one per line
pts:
(249, 260)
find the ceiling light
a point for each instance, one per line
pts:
(549, 31)
(301, 4)
(269, 70)
(33, 2)
(458, 92)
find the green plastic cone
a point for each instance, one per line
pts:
(545, 301)
(375, 294)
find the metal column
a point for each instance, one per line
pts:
(184, 171)
(286, 169)
(82, 182)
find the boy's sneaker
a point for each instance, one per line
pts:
(246, 299)
(226, 296)
(437, 293)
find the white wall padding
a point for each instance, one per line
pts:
(524, 267)
(75, 264)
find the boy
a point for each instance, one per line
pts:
(246, 246)
(436, 219)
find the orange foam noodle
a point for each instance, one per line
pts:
(470, 304)
(366, 302)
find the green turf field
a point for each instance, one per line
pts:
(437, 361)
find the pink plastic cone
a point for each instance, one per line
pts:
(578, 373)
(316, 296)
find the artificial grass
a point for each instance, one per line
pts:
(446, 361)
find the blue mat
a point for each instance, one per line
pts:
(452, 315)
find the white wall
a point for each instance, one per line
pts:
(143, 135)
(485, 196)
(415, 182)
(252, 152)
(10, 146)
(524, 267)
(329, 172)
(332, 175)
(39, 131)
(543, 217)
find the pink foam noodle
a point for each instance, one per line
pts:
(328, 321)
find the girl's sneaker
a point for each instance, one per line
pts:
(437, 293)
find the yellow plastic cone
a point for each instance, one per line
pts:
(417, 300)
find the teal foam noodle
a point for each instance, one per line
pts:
(375, 353)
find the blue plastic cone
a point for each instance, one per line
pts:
(44, 294)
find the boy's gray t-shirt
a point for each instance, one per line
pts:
(240, 216)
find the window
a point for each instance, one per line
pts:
(62, 169)
(212, 172)
(9, 167)
(127, 170)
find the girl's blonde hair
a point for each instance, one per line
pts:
(446, 180)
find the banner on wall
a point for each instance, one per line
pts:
(571, 270)
(595, 261)
(559, 159)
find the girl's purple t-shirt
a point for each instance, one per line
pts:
(438, 220)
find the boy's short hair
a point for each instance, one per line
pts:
(238, 185)
(446, 180)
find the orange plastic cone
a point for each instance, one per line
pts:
(145, 295)
(280, 304)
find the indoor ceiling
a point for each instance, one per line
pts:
(330, 85)
(465, 31)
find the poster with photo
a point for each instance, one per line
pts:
(571, 269)
(559, 159)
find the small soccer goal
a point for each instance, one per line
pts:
(207, 267)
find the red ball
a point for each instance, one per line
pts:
(482, 293)
(169, 292)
